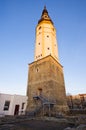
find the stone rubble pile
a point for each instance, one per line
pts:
(80, 127)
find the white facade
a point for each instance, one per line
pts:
(12, 104)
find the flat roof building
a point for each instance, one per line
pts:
(12, 104)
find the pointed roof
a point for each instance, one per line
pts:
(45, 16)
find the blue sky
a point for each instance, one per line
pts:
(18, 19)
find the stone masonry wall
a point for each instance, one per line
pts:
(46, 78)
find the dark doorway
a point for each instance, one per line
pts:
(39, 91)
(16, 111)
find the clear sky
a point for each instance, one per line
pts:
(18, 19)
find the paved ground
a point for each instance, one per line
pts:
(35, 125)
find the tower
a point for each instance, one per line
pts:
(46, 43)
(46, 87)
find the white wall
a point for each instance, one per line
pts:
(14, 100)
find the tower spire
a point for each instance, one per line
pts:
(44, 12)
(45, 15)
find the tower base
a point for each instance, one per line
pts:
(46, 88)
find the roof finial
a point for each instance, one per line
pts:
(45, 7)
(45, 15)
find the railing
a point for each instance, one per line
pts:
(44, 100)
(34, 112)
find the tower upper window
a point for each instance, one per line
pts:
(37, 70)
(47, 35)
(39, 27)
(53, 29)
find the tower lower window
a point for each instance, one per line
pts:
(37, 70)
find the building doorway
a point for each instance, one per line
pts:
(16, 111)
(39, 91)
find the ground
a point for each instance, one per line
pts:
(42, 123)
(35, 125)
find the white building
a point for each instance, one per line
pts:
(12, 104)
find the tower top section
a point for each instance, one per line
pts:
(46, 43)
(45, 16)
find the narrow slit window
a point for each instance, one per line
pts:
(37, 70)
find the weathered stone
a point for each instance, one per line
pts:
(46, 87)
(81, 127)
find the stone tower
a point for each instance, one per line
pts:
(46, 87)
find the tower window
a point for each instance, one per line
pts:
(39, 43)
(53, 29)
(39, 91)
(48, 48)
(37, 70)
(47, 35)
(39, 27)
(45, 16)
